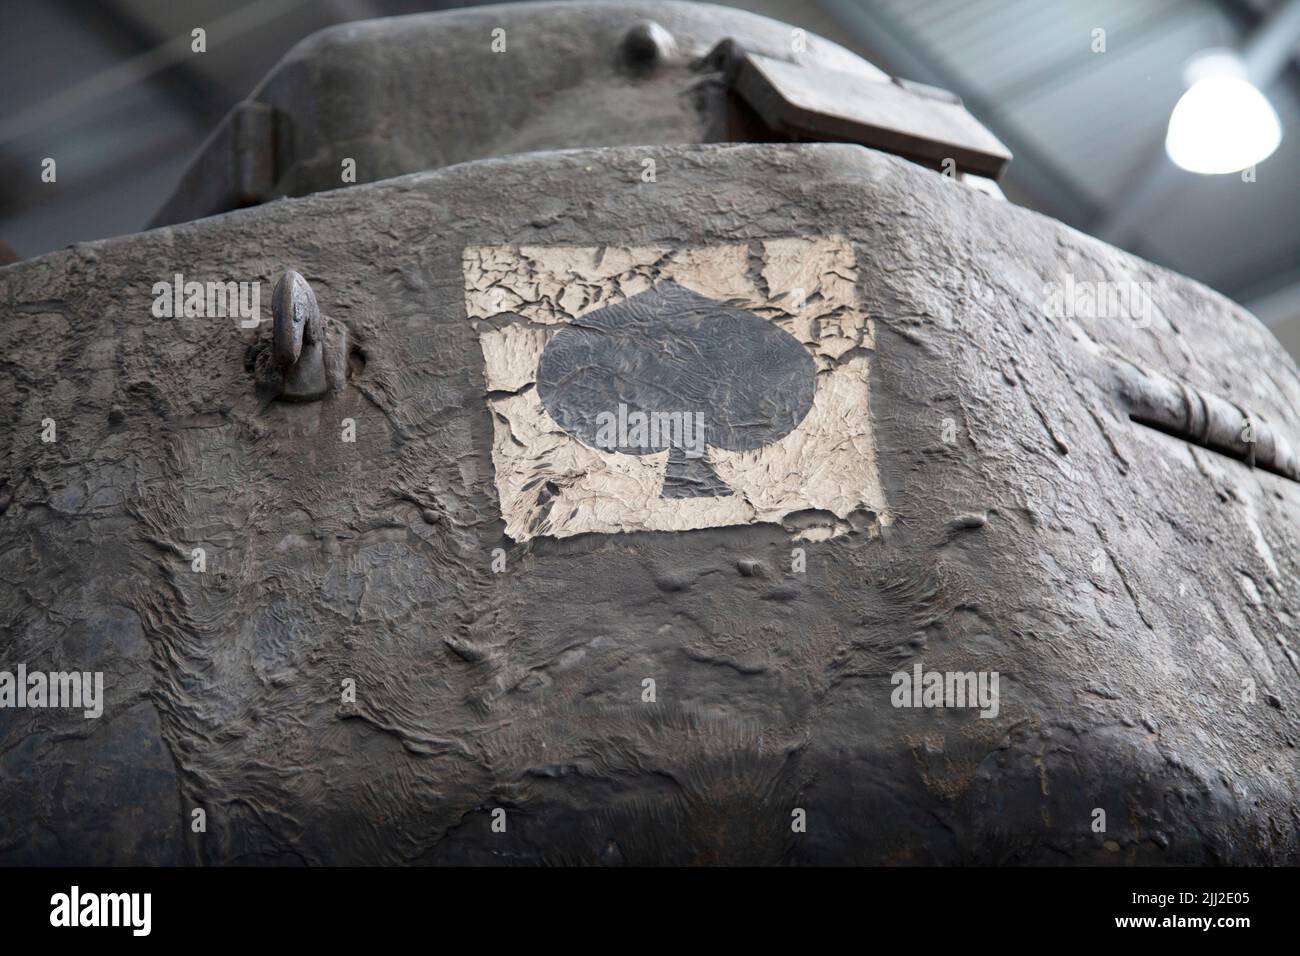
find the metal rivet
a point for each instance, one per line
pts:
(647, 44)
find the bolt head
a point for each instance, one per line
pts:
(647, 44)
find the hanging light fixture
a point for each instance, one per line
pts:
(1223, 123)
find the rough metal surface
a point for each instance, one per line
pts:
(406, 94)
(1122, 581)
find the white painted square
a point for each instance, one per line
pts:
(550, 483)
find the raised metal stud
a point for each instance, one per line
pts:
(647, 45)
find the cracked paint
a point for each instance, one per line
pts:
(550, 483)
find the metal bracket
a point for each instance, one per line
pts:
(806, 101)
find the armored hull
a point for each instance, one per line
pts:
(421, 620)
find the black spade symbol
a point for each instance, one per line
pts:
(670, 350)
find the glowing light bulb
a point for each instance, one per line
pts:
(1223, 123)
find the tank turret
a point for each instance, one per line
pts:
(630, 433)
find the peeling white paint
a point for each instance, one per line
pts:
(549, 483)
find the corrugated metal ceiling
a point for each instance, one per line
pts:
(1096, 120)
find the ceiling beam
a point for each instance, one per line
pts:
(1271, 47)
